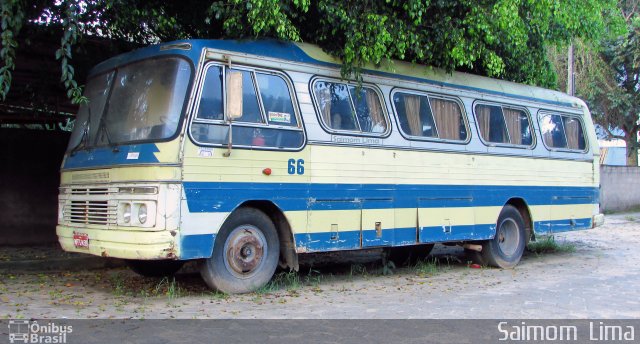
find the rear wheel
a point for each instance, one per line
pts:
(506, 248)
(155, 268)
(245, 253)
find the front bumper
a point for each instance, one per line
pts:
(126, 244)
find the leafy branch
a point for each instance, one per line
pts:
(71, 26)
(12, 17)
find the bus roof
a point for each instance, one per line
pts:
(314, 55)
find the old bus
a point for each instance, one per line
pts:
(246, 154)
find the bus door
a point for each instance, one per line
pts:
(378, 222)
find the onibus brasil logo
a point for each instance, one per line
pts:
(29, 331)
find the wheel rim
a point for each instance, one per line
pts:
(244, 251)
(508, 237)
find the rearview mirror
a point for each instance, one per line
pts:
(234, 95)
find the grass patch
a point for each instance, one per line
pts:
(289, 281)
(550, 245)
(168, 287)
(629, 218)
(430, 266)
(427, 267)
(143, 287)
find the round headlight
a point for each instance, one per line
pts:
(126, 213)
(142, 213)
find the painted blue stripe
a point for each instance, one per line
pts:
(201, 246)
(196, 246)
(350, 240)
(222, 197)
(558, 226)
(457, 233)
(107, 157)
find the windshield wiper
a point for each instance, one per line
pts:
(83, 139)
(102, 127)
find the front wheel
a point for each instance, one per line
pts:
(506, 248)
(245, 253)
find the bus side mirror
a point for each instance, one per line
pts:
(234, 95)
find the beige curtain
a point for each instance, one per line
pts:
(483, 114)
(412, 111)
(514, 124)
(572, 130)
(447, 116)
(323, 94)
(375, 111)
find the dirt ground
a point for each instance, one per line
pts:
(595, 274)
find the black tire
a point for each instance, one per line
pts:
(245, 253)
(408, 254)
(506, 248)
(155, 268)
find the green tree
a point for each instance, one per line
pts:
(499, 38)
(615, 97)
(607, 77)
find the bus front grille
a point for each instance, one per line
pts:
(91, 212)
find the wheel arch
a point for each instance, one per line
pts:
(523, 208)
(288, 255)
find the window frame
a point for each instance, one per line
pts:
(534, 141)
(197, 95)
(545, 112)
(184, 111)
(332, 131)
(463, 114)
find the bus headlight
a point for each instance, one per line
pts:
(126, 213)
(142, 213)
(137, 214)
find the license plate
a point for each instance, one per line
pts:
(81, 240)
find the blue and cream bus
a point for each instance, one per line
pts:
(247, 154)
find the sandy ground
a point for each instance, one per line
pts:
(600, 279)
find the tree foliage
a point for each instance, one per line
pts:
(499, 38)
(12, 20)
(608, 77)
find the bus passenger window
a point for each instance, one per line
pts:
(448, 118)
(414, 113)
(250, 107)
(211, 99)
(553, 131)
(431, 117)
(500, 124)
(268, 118)
(334, 101)
(573, 132)
(345, 107)
(368, 110)
(276, 100)
(559, 131)
(518, 126)
(491, 124)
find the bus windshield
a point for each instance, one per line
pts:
(141, 101)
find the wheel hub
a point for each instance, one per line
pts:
(244, 251)
(508, 237)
